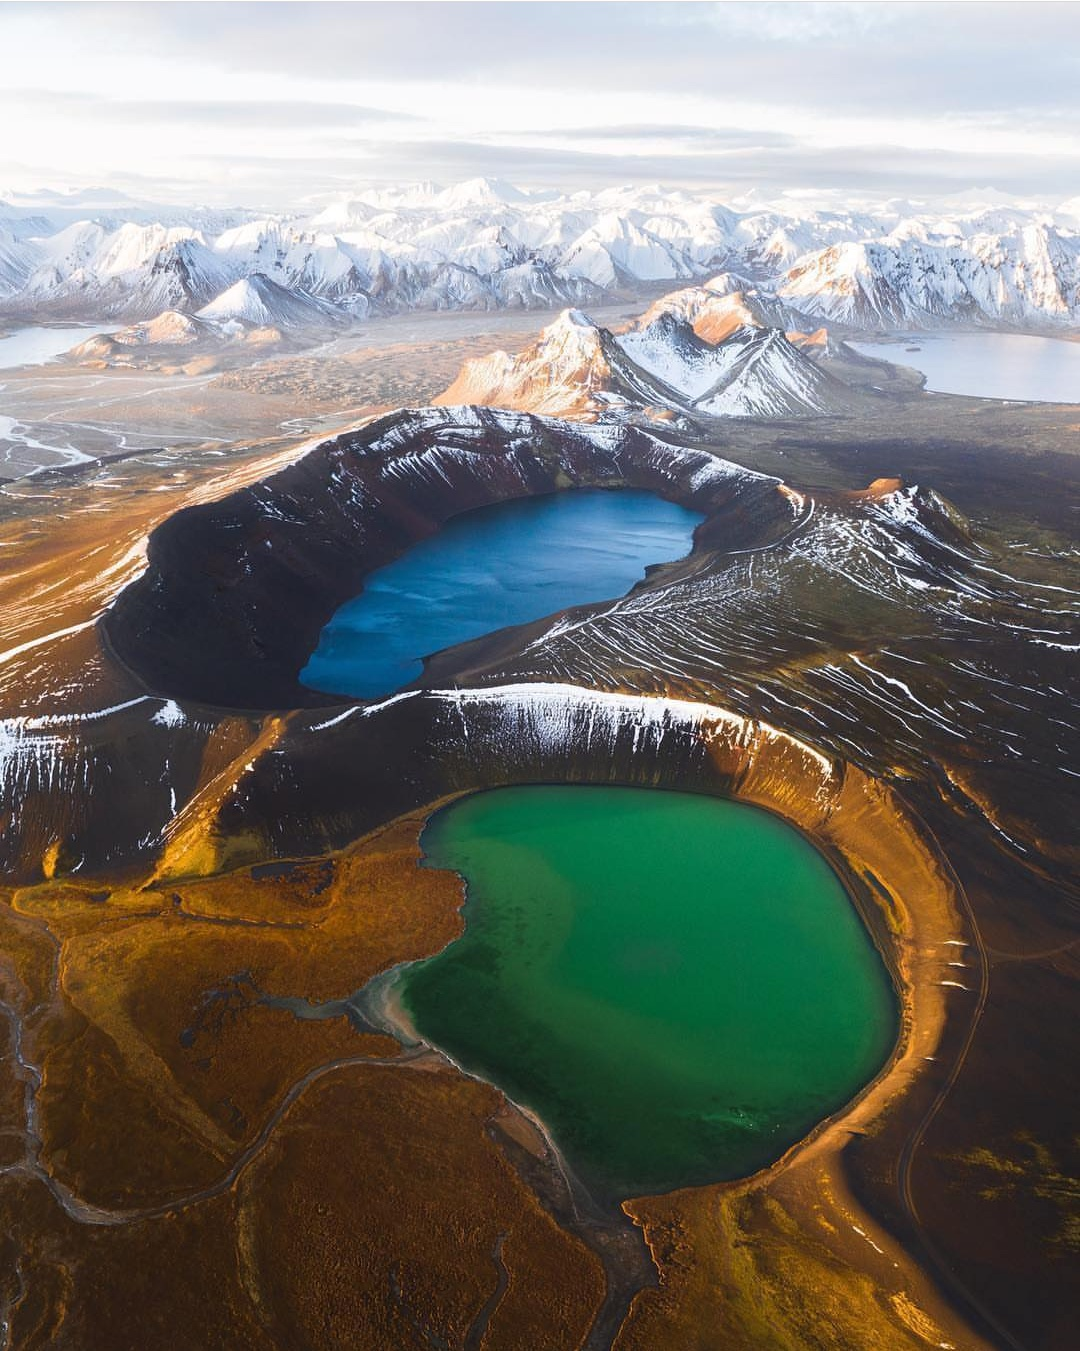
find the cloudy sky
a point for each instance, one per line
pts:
(266, 104)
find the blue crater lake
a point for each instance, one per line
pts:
(505, 564)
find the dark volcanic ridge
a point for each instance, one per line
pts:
(276, 560)
(871, 625)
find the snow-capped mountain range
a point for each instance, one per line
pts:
(488, 245)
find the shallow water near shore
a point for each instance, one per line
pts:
(486, 569)
(678, 986)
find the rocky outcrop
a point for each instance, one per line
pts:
(662, 368)
(567, 372)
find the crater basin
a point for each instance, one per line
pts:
(678, 986)
(505, 564)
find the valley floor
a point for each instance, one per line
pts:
(64, 412)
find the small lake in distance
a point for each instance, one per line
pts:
(505, 564)
(1015, 366)
(34, 346)
(678, 986)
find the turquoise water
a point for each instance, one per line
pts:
(486, 569)
(678, 986)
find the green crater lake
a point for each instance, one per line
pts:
(678, 986)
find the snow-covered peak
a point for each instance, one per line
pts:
(558, 375)
(1030, 275)
(662, 367)
(770, 377)
(571, 325)
(669, 350)
(718, 310)
(134, 247)
(346, 214)
(571, 346)
(479, 192)
(261, 303)
(486, 244)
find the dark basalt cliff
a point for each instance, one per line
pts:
(237, 591)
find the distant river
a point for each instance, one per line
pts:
(989, 365)
(35, 346)
(678, 986)
(486, 569)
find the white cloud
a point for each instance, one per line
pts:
(816, 92)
